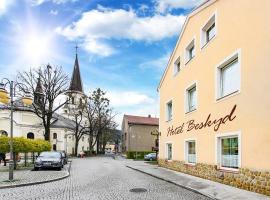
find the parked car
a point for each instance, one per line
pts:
(150, 156)
(49, 159)
(64, 157)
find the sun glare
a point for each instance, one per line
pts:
(35, 49)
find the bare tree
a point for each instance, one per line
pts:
(78, 115)
(50, 82)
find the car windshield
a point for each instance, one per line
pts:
(50, 155)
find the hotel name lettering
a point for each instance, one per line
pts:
(192, 125)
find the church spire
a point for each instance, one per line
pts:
(76, 82)
(38, 94)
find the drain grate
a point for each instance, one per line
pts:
(138, 190)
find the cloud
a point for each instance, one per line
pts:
(128, 98)
(158, 64)
(132, 103)
(39, 2)
(96, 26)
(54, 12)
(4, 6)
(163, 6)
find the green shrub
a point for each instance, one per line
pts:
(24, 145)
(140, 154)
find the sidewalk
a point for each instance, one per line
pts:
(206, 187)
(28, 177)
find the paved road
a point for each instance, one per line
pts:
(98, 179)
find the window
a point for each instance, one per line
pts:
(191, 98)
(190, 51)
(82, 148)
(54, 135)
(228, 151)
(169, 110)
(30, 135)
(82, 138)
(169, 151)
(3, 133)
(54, 147)
(208, 31)
(177, 65)
(228, 77)
(190, 149)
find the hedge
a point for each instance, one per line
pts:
(24, 145)
(140, 154)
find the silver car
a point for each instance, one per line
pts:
(150, 156)
(49, 160)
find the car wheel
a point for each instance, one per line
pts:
(151, 159)
(36, 168)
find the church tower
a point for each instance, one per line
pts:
(75, 93)
(38, 94)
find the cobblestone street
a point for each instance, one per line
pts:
(101, 178)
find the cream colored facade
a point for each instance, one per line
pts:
(242, 33)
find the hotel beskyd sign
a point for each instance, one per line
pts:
(193, 125)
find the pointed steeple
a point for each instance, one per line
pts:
(38, 94)
(76, 82)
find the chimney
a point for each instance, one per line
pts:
(149, 116)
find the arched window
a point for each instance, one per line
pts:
(30, 135)
(54, 135)
(3, 133)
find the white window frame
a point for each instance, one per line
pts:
(218, 152)
(187, 50)
(166, 110)
(227, 60)
(186, 106)
(175, 66)
(211, 20)
(186, 141)
(166, 150)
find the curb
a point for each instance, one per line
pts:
(168, 181)
(39, 182)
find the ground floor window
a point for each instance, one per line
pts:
(190, 149)
(229, 155)
(54, 147)
(169, 151)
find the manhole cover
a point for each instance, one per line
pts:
(137, 190)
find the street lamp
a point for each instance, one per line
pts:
(4, 98)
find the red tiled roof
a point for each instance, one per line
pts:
(141, 120)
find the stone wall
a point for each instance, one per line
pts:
(255, 181)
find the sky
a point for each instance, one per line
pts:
(124, 45)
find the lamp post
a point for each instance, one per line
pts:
(27, 100)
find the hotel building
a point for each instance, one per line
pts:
(214, 98)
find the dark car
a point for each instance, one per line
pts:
(150, 156)
(64, 157)
(49, 159)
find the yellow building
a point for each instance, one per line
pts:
(214, 98)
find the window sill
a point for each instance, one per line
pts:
(207, 43)
(192, 111)
(189, 60)
(169, 120)
(229, 170)
(190, 164)
(175, 74)
(228, 96)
